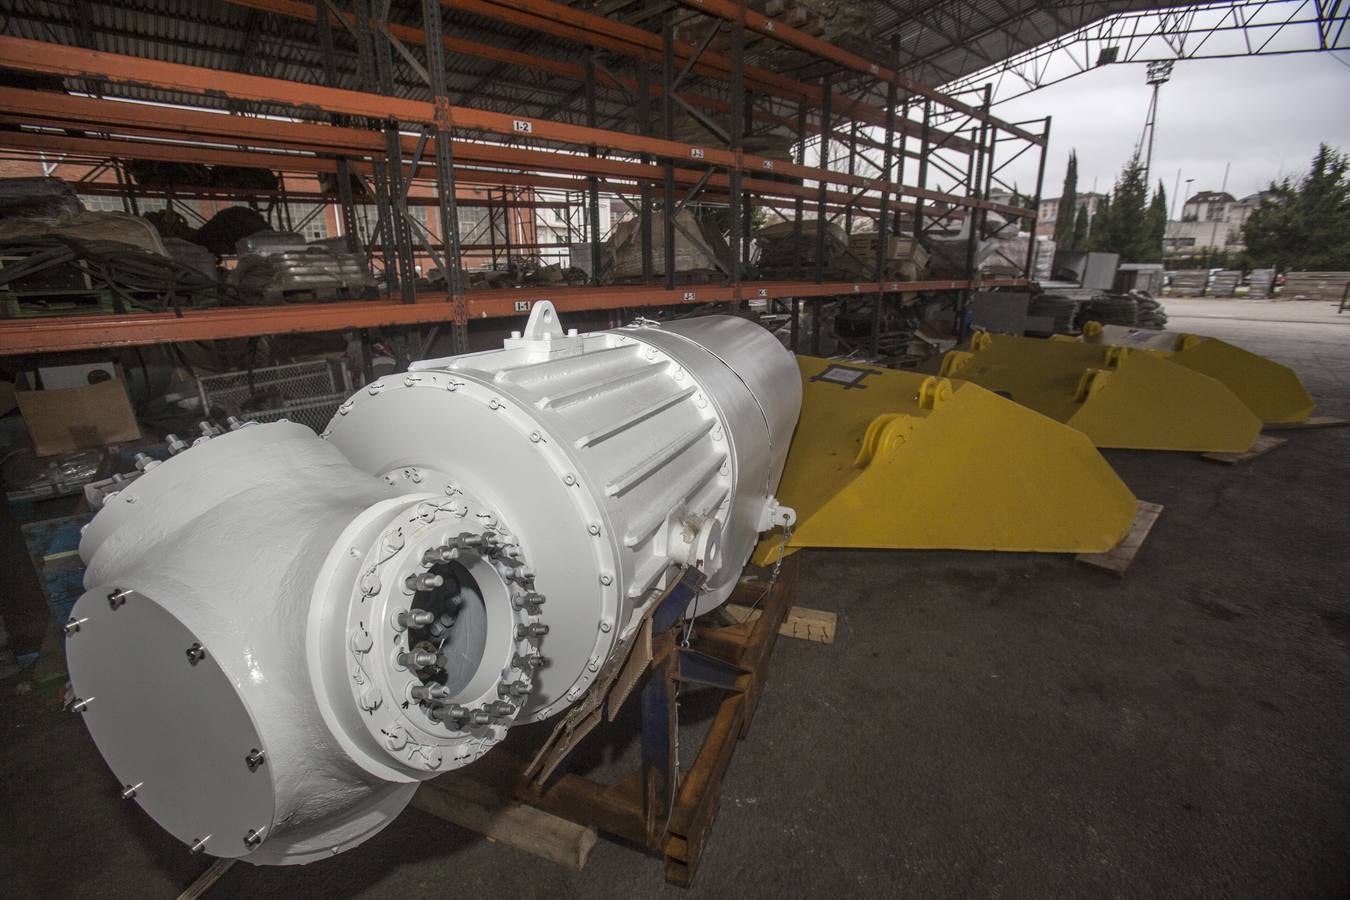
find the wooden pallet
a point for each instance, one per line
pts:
(663, 806)
(1260, 447)
(1310, 422)
(1119, 557)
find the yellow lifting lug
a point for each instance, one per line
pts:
(934, 390)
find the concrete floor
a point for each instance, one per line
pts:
(986, 725)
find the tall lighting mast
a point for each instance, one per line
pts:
(1158, 74)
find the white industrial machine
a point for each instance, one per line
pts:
(284, 633)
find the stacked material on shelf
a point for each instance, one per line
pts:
(1109, 309)
(1329, 286)
(1259, 282)
(1225, 283)
(698, 247)
(1004, 256)
(277, 266)
(904, 258)
(46, 199)
(783, 255)
(1190, 282)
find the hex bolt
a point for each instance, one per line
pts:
(448, 715)
(175, 444)
(80, 706)
(429, 692)
(417, 618)
(199, 844)
(513, 688)
(480, 717)
(533, 661)
(73, 625)
(424, 582)
(417, 659)
(207, 429)
(195, 654)
(254, 759)
(254, 837)
(439, 555)
(533, 629)
(234, 423)
(144, 461)
(117, 597)
(531, 599)
(129, 791)
(442, 625)
(501, 709)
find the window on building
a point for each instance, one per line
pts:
(309, 219)
(1215, 212)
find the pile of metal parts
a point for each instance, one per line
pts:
(280, 266)
(55, 257)
(283, 634)
(783, 253)
(699, 249)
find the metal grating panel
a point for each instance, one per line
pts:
(306, 392)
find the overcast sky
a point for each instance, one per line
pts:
(1265, 115)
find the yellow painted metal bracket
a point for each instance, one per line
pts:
(1119, 396)
(1273, 392)
(888, 459)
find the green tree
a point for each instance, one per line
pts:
(1100, 232)
(1157, 223)
(1080, 230)
(1129, 234)
(1068, 203)
(1305, 225)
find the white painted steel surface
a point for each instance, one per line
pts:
(463, 549)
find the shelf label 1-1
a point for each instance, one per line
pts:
(522, 306)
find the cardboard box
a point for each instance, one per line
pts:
(71, 419)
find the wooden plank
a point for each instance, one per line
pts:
(1310, 422)
(477, 807)
(802, 623)
(1119, 557)
(1262, 445)
(206, 879)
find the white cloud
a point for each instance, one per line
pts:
(1264, 115)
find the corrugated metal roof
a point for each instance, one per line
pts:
(939, 41)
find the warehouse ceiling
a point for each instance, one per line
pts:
(935, 41)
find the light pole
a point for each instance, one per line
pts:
(1159, 71)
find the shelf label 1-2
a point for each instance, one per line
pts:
(521, 126)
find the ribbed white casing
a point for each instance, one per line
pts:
(566, 479)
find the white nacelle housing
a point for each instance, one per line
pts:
(282, 634)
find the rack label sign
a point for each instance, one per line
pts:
(520, 126)
(688, 296)
(696, 152)
(522, 306)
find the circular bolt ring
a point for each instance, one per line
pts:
(254, 759)
(195, 654)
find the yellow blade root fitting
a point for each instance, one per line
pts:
(1271, 391)
(887, 459)
(1117, 396)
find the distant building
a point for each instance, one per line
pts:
(1048, 213)
(1210, 220)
